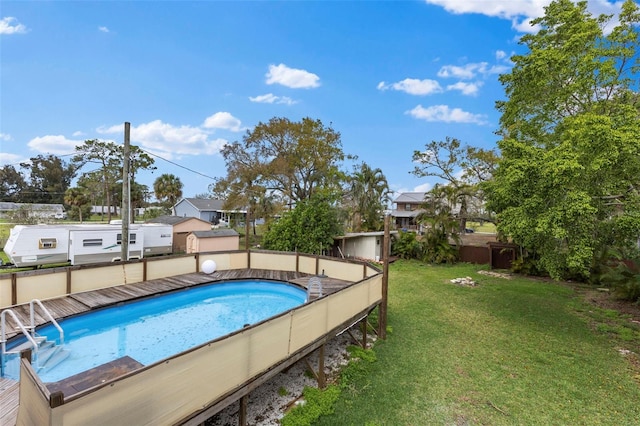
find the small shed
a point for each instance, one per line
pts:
(182, 226)
(213, 240)
(361, 245)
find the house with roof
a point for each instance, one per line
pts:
(209, 209)
(407, 206)
(182, 227)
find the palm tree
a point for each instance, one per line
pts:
(168, 189)
(368, 195)
(76, 197)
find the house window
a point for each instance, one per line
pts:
(407, 207)
(92, 242)
(47, 243)
(132, 239)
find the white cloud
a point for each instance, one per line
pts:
(10, 25)
(471, 70)
(500, 54)
(8, 158)
(270, 98)
(53, 144)
(222, 120)
(442, 113)
(170, 141)
(5, 137)
(413, 86)
(425, 187)
(520, 12)
(103, 29)
(466, 88)
(292, 77)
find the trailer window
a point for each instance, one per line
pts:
(132, 239)
(47, 243)
(92, 242)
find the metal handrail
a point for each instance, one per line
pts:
(49, 316)
(22, 328)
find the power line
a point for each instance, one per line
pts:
(176, 164)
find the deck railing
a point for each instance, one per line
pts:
(22, 287)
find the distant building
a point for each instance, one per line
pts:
(39, 211)
(407, 206)
(208, 209)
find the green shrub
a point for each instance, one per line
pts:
(318, 402)
(624, 278)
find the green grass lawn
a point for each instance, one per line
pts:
(505, 352)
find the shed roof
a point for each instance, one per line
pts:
(216, 233)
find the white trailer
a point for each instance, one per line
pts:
(103, 243)
(33, 245)
(158, 238)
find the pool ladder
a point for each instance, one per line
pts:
(46, 353)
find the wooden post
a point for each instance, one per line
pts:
(322, 380)
(242, 412)
(363, 328)
(14, 288)
(68, 280)
(382, 310)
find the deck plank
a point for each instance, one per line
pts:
(9, 400)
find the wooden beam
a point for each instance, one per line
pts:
(242, 411)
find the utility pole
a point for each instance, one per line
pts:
(126, 194)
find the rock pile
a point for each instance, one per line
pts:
(465, 282)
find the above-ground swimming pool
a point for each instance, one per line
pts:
(156, 328)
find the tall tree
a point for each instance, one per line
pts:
(285, 159)
(367, 196)
(566, 187)
(462, 169)
(78, 199)
(109, 156)
(49, 178)
(12, 184)
(168, 189)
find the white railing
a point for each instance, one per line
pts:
(48, 315)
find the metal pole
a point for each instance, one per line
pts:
(126, 194)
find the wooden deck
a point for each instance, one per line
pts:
(83, 302)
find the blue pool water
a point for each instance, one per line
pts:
(154, 329)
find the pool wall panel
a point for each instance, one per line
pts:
(308, 322)
(342, 271)
(277, 262)
(133, 272)
(170, 267)
(307, 265)
(269, 344)
(39, 412)
(95, 278)
(41, 287)
(5, 290)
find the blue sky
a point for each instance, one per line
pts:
(192, 76)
